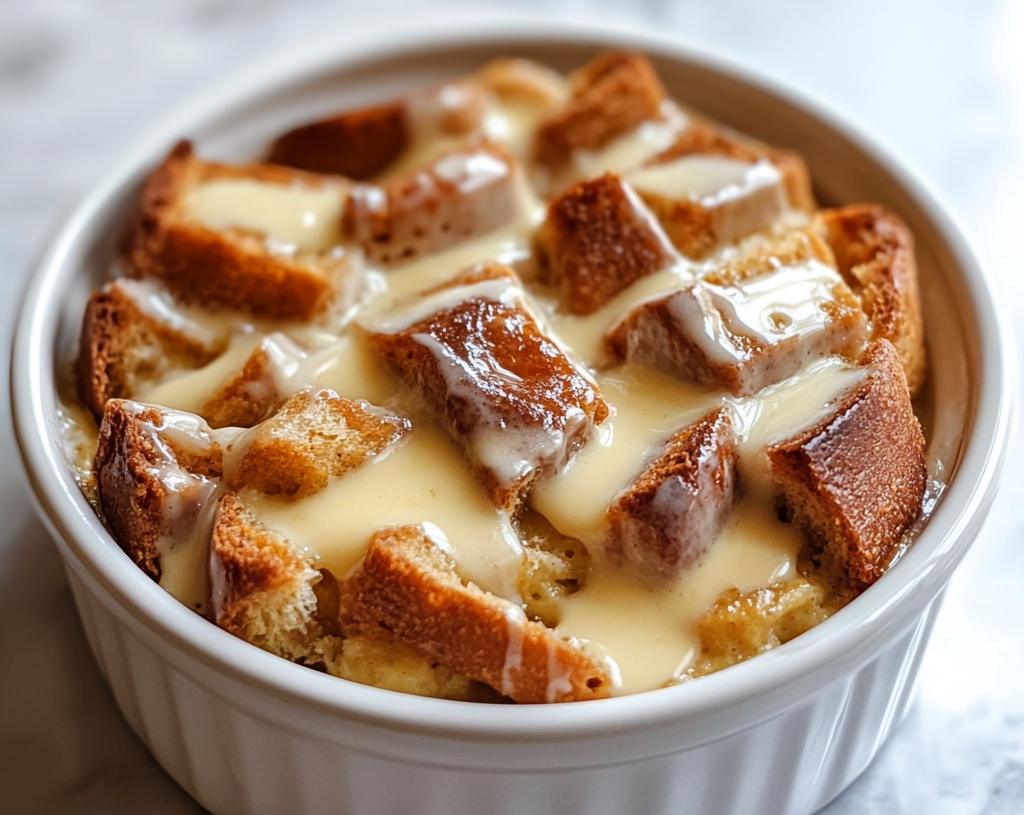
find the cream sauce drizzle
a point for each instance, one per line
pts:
(423, 480)
(769, 308)
(650, 635)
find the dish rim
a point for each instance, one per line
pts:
(141, 604)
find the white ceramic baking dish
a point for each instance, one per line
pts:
(246, 732)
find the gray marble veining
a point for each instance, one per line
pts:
(944, 83)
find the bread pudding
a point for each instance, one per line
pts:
(522, 388)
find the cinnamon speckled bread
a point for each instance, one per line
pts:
(875, 254)
(407, 585)
(598, 239)
(610, 95)
(854, 481)
(230, 267)
(670, 514)
(461, 195)
(315, 436)
(122, 347)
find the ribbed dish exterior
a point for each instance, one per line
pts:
(235, 762)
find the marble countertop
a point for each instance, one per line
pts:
(944, 83)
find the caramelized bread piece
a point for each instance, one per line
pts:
(461, 195)
(671, 513)
(875, 254)
(123, 347)
(751, 324)
(156, 473)
(407, 586)
(504, 391)
(316, 435)
(230, 266)
(364, 142)
(612, 94)
(855, 480)
(261, 586)
(703, 139)
(597, 239)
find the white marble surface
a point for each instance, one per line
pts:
(943, 82)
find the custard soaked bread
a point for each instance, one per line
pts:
(256, 238)
(518, 388)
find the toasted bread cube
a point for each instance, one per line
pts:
(703, 139)
(598, 238)
(504, 391)
(751, 324)
(156, 472)
(461, 195)
(407, 585)
(358, 144)
(874, 251)
(257, 238)
(709, 189)
(123, 346)
(316, 435)
(261, 585)
(671, 513)
(855, 480)
(363, 143)
(612, 94)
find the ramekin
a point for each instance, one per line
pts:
(245, 732)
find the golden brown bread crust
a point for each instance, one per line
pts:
(481, 342)
(316, 435)
(261, 586)
(358, 144)
(612, 94)
(435, 207)
(874, 250)
(856, 479)
(671, 513)
(407, 585)
(133, 460)
(121, 346)
(230, 267)
(703, 139)
(598, 239)
(662, 332)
